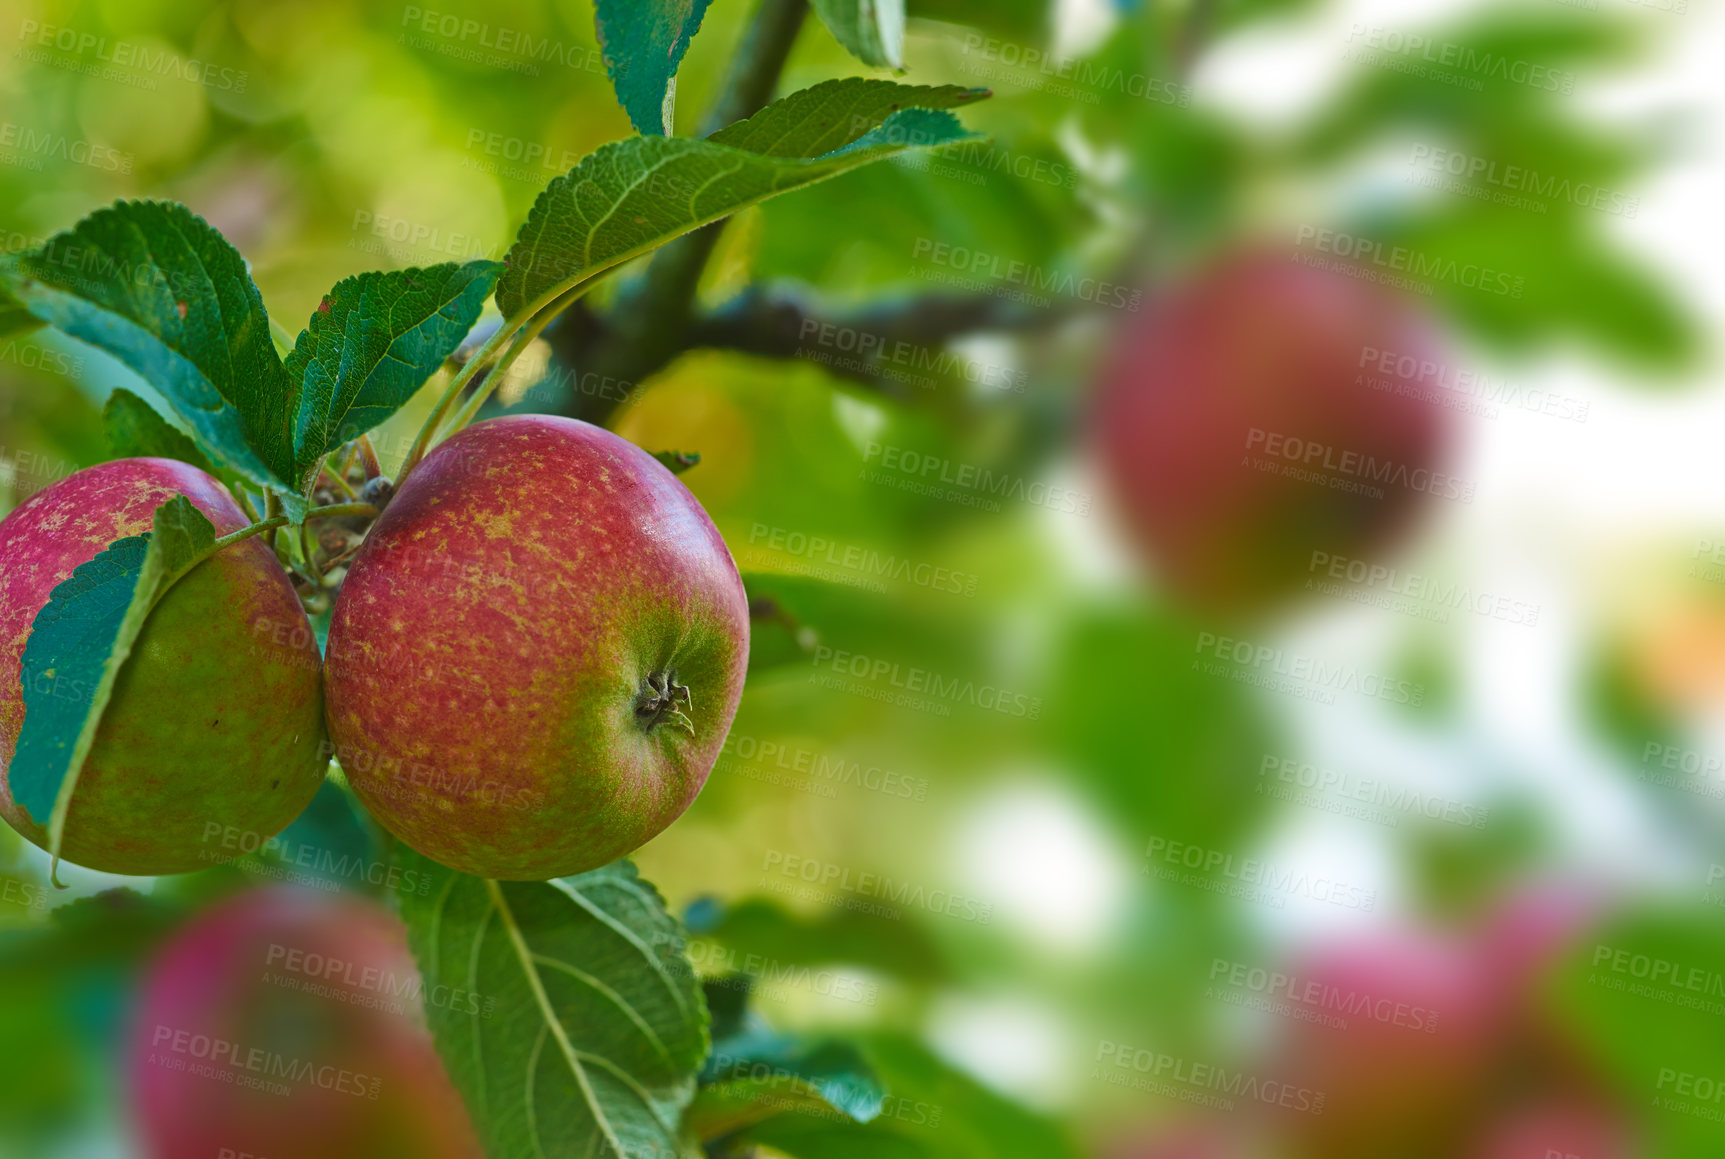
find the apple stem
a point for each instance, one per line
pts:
(659, 700)
(439, 412)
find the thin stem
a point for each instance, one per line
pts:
(328, 512)
(368, 456)
(247, 532)
(484, 354)
(310, 553)
(340, 477)
(331, 511)
(244, 501)
(501, 370)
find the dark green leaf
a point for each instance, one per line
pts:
(134, 429)
(1639, 998)
(761, 928)
(929, 1110)
(677, 461)
(835, 113)
(588, 1027)
(757, 1074)
(154, 285)
(371, 344)
(644, 42)
(14, 318)
(871, 30)
(77, 644)
(632, 196)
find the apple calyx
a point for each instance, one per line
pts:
(659, 699)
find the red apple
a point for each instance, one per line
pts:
(536, 656)
(216, 721)
(1403, 1054)
(1189, 1139)
(1254, 369)
(289, 1024)
(1564, 1128)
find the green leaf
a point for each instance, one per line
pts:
(591, 1027)
(79, 641)
(677, 461)
(929, 1110)
(134, 429)
(1634, 996)
(871, 30)
(756, 1074)
(632, 196)
(153, 284)
(14, 318)
(157, 287)
(371, 344)
(644, 42)
(762, 928)
(836, 113)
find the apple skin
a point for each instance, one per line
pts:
(1259, 342)
(1568, 1127)
(309, 981)
(1410, 1090)
(216, 721)
(491, 651)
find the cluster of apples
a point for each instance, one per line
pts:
(530, 668)
(1448, 1051)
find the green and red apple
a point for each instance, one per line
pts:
(216, 719)
(536, 656)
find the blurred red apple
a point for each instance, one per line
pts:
(1195, 1139)
(288, 1024)
(1252, 370)
(1560, 1129)
(1528, 936)
(1403, 1054)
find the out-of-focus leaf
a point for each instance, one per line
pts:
(644, 42)
(14, 318)
(871, 30)
(134, 429)
(1489, 53)
(598, 1028)
(1028, 22)
(1640, 998)
(767, 931)
(1520, 280)
(632, 196)
(1188, 766)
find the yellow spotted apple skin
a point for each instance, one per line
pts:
(214, 738)
(536, 656)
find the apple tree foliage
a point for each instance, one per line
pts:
(605, 1041)
(602, 1035)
